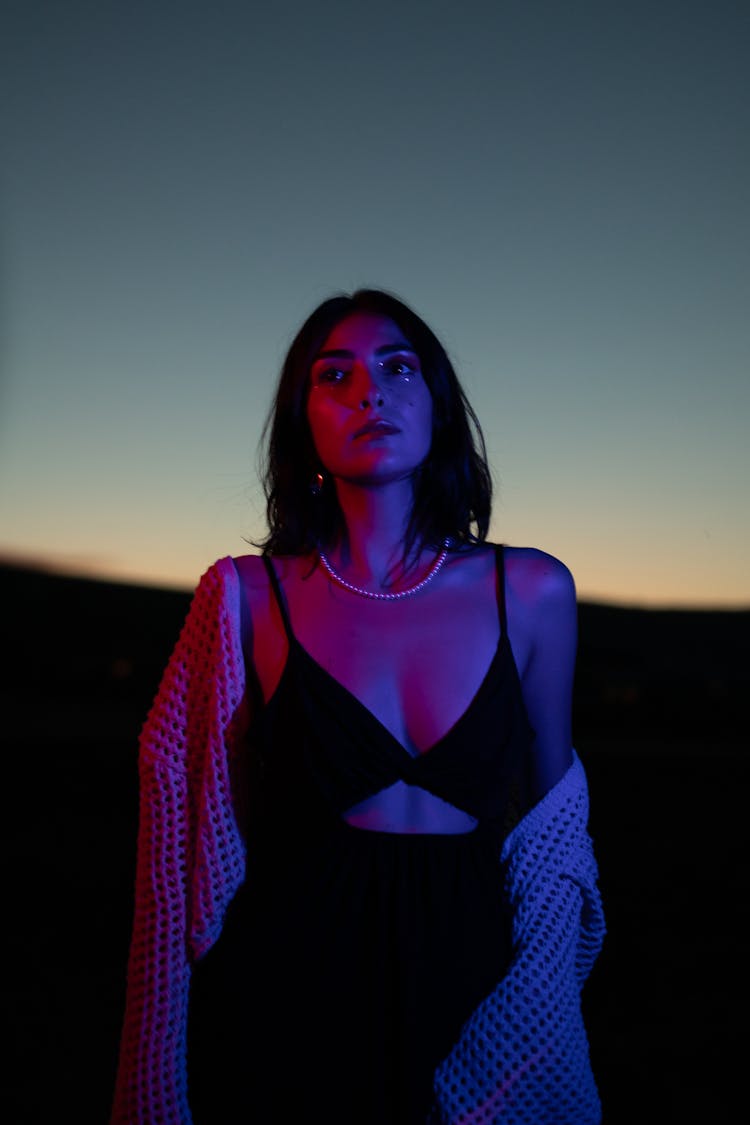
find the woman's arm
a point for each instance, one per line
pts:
(190, 848)
(542, 623)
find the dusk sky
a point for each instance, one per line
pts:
(560, 189)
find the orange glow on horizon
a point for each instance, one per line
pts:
(167, 577)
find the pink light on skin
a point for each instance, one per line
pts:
(369, 408)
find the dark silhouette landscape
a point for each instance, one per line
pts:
(660, 720)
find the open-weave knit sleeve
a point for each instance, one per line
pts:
(190, 849)
(522, 1057)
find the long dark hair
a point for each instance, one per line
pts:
(452, 488)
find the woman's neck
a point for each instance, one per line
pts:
(375, 519)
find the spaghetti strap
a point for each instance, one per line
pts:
(500, 568)
(280, 599)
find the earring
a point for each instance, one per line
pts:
(316, 486)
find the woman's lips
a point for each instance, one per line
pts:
(376, 428)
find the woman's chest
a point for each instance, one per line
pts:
(415, 672)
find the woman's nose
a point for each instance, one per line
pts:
(373, 398)
(371, 393)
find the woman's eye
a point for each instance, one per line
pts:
(402, 367)
(331, 375)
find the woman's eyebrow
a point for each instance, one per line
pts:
(388, 348)
(344, 353)
(334, 353)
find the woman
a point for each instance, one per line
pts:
(328, 876)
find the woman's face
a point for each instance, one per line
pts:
(368, 406)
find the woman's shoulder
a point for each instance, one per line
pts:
(250, 570)
(255, 586)
(253, 573)
(535, 577)
(262, 628)
(541, 598)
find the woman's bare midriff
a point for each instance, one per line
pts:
(403, 808)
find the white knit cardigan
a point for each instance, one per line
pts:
(521, 1057)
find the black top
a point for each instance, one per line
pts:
(349, 755)
(350, 959)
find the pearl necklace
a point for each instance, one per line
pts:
(336, 577)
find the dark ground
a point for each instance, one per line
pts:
(660, 719)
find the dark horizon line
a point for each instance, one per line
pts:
(42, 569)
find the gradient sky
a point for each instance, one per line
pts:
(560, 189)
